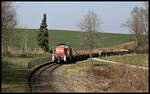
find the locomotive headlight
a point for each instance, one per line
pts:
(59, 50)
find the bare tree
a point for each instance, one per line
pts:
(145, 19)
(9, 21)
(89, 25)
(138, 24)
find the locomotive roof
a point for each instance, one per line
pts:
(63, 44)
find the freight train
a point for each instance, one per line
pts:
(63, 52)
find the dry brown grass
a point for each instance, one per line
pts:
(112, 79)
(11, 52)
(140, 49)
(143, 49)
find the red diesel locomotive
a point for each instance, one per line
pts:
(62, 52)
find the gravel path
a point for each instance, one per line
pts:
(119, 63)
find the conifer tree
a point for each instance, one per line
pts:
(43, 35)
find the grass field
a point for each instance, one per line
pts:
(68, 37)
(14, 73)
(133, 59)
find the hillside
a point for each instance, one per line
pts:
(68, 37)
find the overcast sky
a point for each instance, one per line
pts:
(66, 15)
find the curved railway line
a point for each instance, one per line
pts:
(40, 78)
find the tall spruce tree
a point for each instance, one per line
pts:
(43, 35)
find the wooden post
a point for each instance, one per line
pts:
(25, 44)
(26, 41)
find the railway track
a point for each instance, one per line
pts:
(40, 79)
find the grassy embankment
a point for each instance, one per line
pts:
(14, 73)
(106, 77)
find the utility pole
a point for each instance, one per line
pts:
(26, 36)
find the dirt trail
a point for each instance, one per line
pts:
(119, 63)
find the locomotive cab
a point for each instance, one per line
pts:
(62, 52)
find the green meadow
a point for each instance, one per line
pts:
(72, 38)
